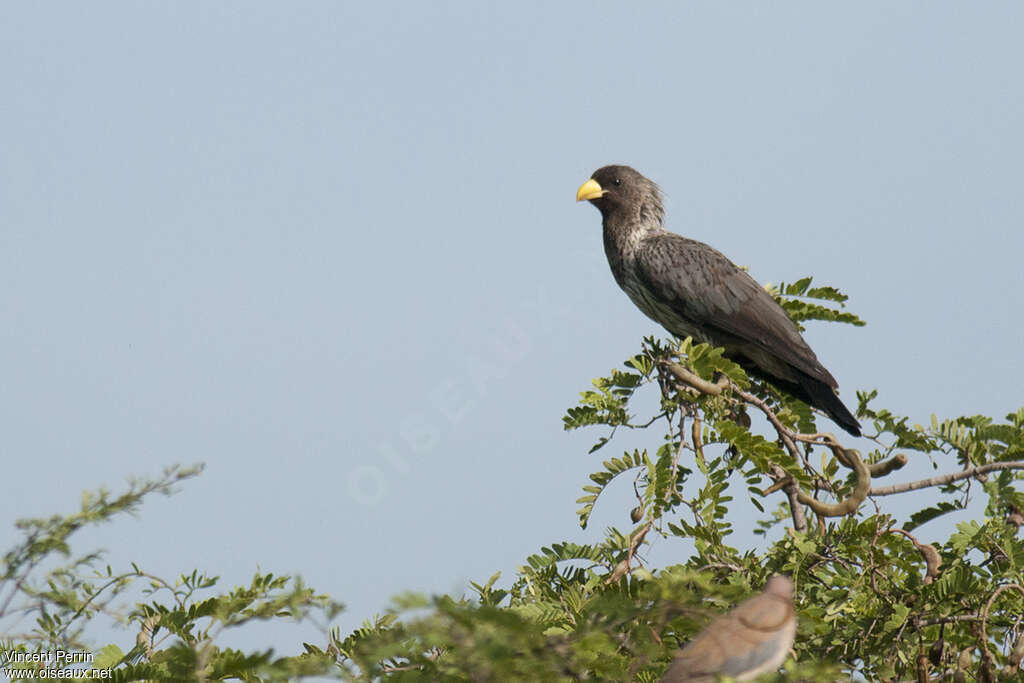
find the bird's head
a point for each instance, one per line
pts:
(622, 191)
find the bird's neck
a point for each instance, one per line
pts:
(623, 233)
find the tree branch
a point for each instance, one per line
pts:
(944, 479)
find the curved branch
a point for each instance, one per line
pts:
(983, 641)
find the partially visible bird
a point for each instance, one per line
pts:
(692, 290)
(753, 639)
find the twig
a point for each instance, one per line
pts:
(784, 433)
(625, 565)
(721, 565)
(935, 621)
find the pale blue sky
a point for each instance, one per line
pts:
(331, 250)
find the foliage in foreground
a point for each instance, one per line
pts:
(873, 596)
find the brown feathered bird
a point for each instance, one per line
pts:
(753, 639)
(694, 291)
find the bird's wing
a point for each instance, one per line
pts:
(704, 288)
(753, 638)
(733, 647)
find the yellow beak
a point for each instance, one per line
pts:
(589, 190)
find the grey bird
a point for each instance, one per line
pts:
(753, 639)
(693, 290)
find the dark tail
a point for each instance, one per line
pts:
(822, 396)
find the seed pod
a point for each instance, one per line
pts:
(965, 659)
(880, 469)
(935, 652)
(932, 561)
(1014, 517)
(1017, 652)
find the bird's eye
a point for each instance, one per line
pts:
(617, 182)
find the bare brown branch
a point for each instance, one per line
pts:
(943, 479)
(792, 489)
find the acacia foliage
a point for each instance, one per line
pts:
(878, 595)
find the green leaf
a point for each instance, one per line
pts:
(108, 657)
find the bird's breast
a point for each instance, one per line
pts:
(621, 248)
(660, 311)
